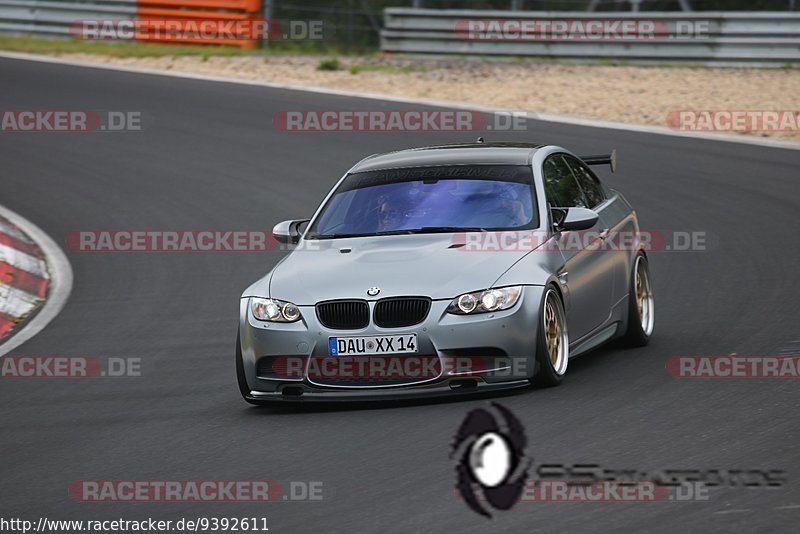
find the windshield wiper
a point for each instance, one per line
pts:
(369, 234)
(434, 229)
(408, 231)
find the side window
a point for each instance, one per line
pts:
(591, 188)
(560, 187)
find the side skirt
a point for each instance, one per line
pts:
(594, 340)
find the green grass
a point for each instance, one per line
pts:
(329, 64)
(388, 69)
(34, 45)
(106, 48)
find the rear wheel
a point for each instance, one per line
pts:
(641, 304)
(552, 347)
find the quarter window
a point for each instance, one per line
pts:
(560, 187)
(589, 184)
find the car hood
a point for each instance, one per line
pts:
(427, 265)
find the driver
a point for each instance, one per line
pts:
(390, 214)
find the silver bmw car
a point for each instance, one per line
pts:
(446, 270)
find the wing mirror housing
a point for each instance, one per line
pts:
(573, 219)
(288, 232)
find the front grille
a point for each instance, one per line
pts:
(401, 311)
(343, 314)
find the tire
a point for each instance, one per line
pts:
(641, 304)
(244, 389)
(551, 358)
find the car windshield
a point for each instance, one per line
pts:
(429, 200)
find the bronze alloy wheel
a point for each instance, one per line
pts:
(645, 302)
(555, 328)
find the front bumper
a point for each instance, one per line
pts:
(305, 393)
(505, 341)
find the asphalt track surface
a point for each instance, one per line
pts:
(210, 158)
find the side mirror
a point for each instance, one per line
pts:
(288, 232)
(576, 219)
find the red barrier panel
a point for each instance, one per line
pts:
(228, 22)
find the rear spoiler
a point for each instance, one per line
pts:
(605, 159)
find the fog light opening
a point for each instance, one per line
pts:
(292, 391)
(464, 383)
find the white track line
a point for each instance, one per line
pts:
(22, 261)
(546, 117)
(16, 303)
(13, 232)
(60, 281)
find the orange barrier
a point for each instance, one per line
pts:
(229, 22)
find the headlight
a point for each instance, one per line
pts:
(273, 310)
(485, 301)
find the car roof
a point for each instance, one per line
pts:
(462, 154)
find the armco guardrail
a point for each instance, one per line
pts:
(61, 18)
(54, 18)
(709, 37)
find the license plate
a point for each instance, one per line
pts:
(350, 346)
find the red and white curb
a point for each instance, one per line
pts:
(23, 277)
(34, 276)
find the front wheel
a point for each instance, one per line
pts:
(641, 304)
(552, 346)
